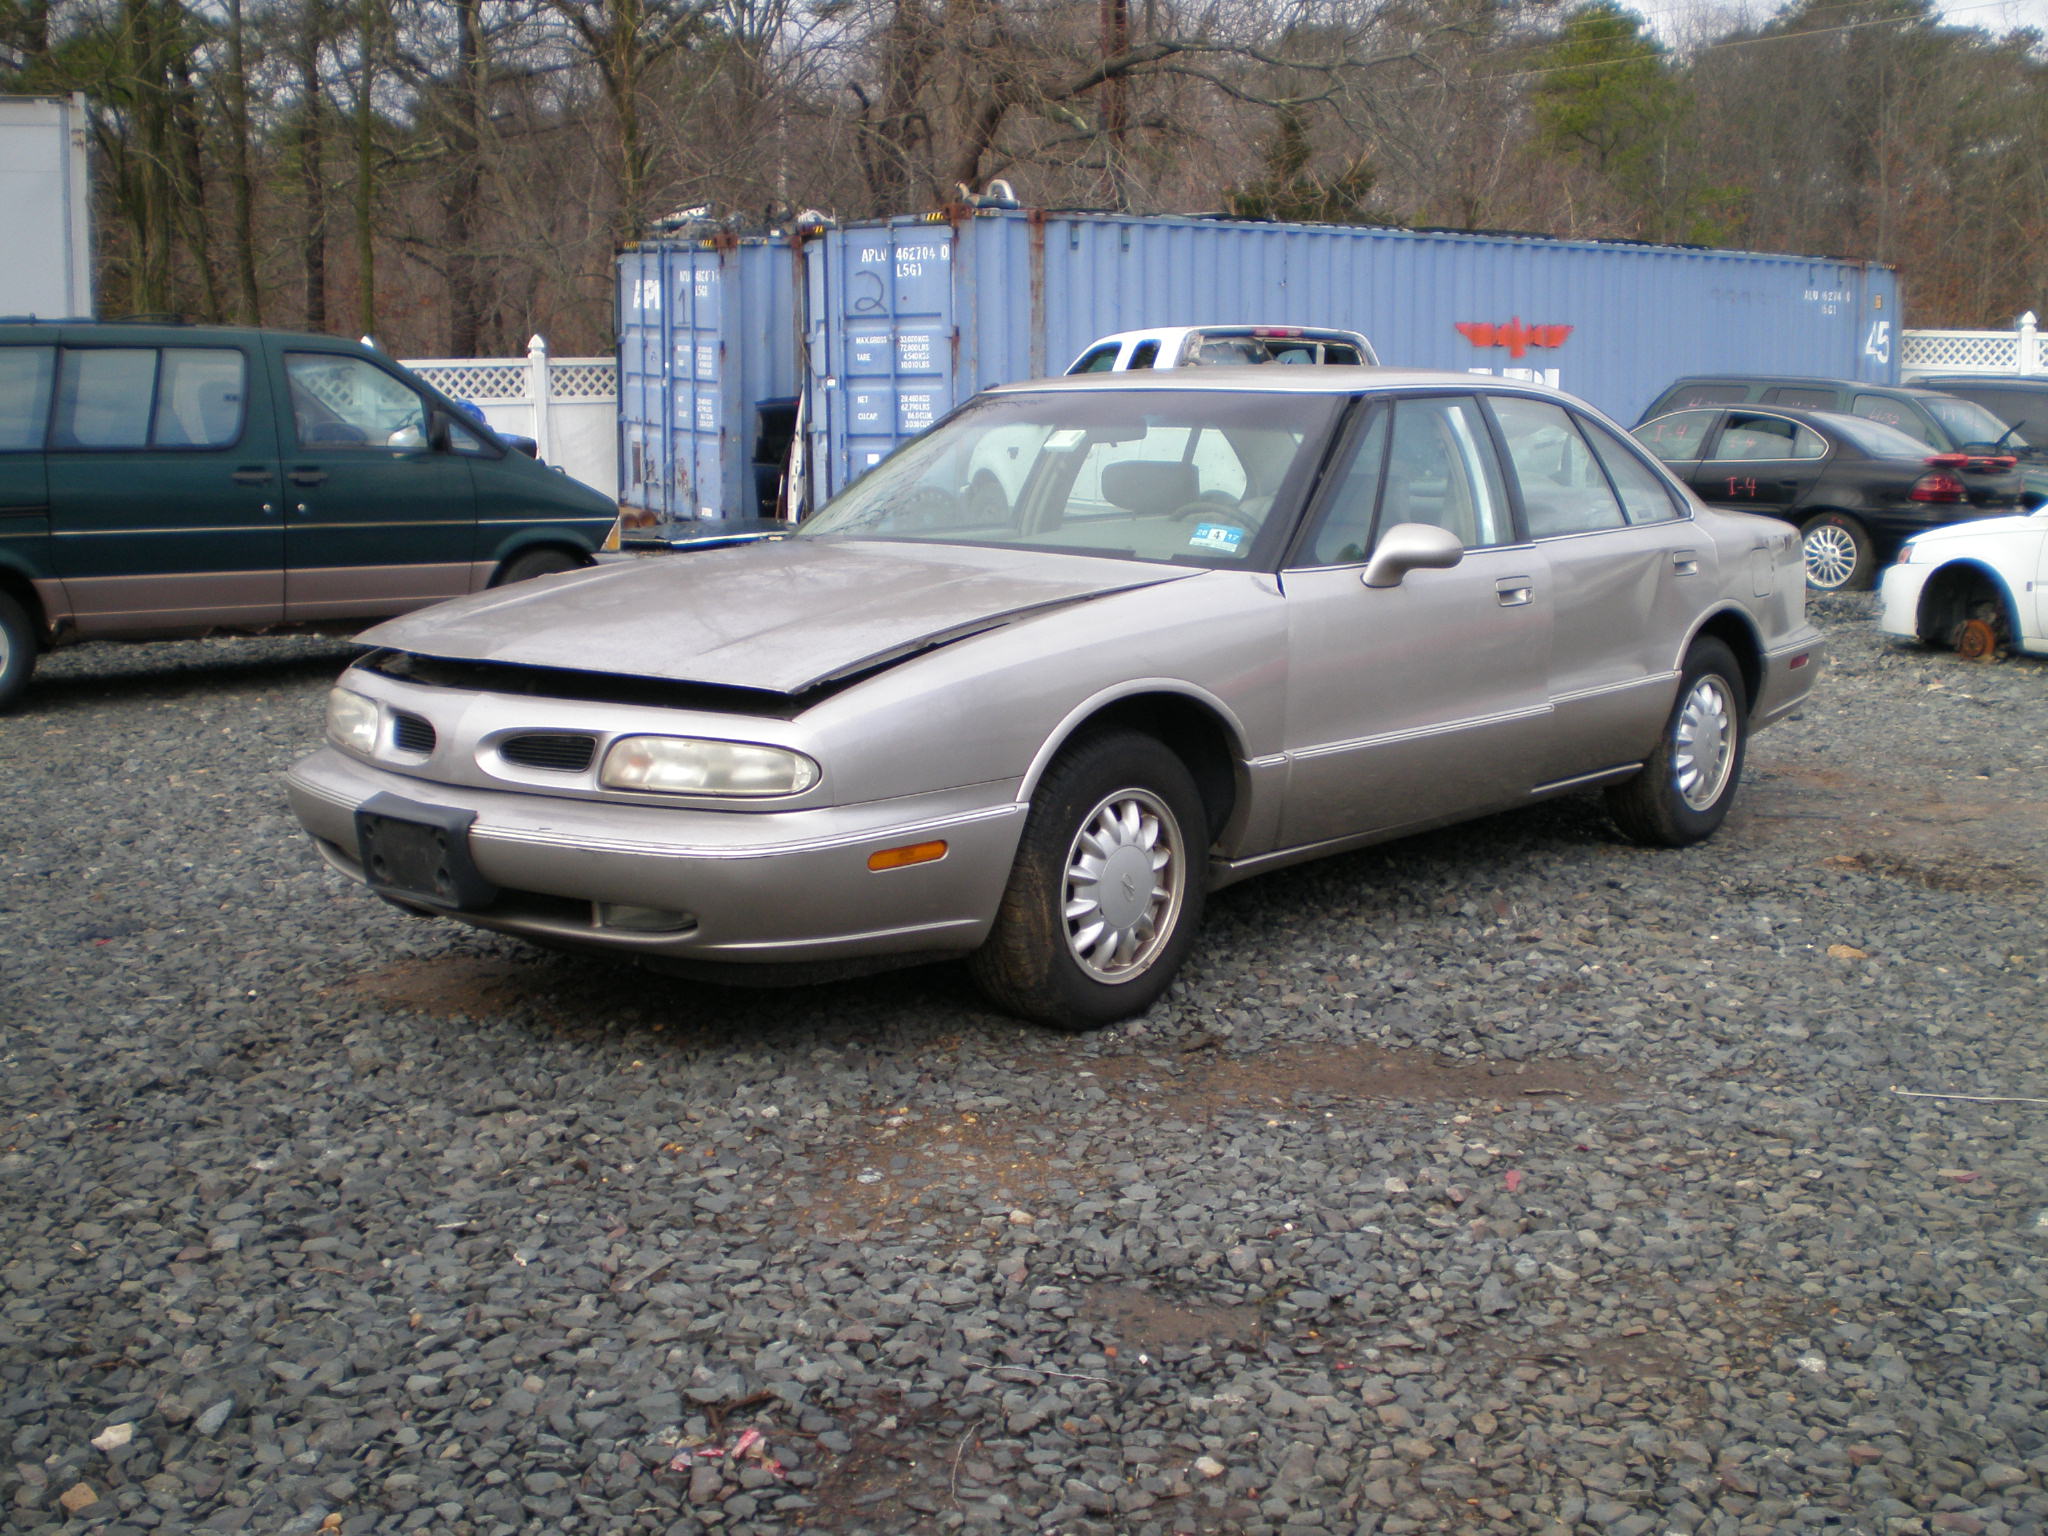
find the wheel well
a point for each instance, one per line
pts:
(18, 587)
(574, 551)
(1194, 733)
(1734, 631)
(1951, 591)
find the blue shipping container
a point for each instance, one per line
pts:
(706, 332)
(904, 319)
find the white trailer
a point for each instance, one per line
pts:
(46, 259)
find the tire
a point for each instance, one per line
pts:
(538, 562)
(17, 650)
(1684, 790)
(1049, 958)
(1838, 553)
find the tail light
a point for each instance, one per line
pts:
(1940, 485)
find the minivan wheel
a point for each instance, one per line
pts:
(1106, 894)
(17, 650)
(537, 562)
(1838, 554)
(1684, 790)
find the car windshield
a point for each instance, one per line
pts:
(1874, 437)
(1968, 424)
(1196, 476)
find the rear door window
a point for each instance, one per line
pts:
(199, 398)
(25, 377)
(1564, 488)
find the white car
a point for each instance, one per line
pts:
(1233, 346)
(1974, 586)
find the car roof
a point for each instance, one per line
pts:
(1987, 380)
(1232, 328)
(160, 332)
(1330, 379)
(1809, 379)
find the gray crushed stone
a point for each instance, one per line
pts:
(1508, 1179)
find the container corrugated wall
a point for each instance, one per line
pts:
(706, 332)
(906, 318)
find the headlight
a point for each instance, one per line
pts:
(352, 721)
(679, 765)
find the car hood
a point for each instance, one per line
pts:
(787, 616)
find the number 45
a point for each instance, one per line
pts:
(1879, 342)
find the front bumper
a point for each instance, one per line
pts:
(686, 884)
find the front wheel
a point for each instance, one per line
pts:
(1106, 894)
(537, 562)
(17, 650)
(1839, 557)
(1684, 790)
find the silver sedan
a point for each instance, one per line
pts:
(1039, 682)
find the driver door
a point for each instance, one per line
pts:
(1427, 700)
(380, 511)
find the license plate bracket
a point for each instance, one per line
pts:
(420, 853)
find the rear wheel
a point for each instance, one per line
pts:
(1106, 894)
(538, 562)
(1685, 789)
(1839, 557)
(17, 650)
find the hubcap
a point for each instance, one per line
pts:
(1125, 877)
(1705, 743)
(1830, 556)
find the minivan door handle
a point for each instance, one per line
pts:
(308, 476)
(252, 474)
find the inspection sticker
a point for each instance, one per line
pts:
(1217, 536)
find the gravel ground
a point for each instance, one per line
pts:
(1509, 1179)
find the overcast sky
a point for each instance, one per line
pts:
(1677, 20)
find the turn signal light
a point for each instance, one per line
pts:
(910, 853)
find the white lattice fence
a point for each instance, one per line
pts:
(1929, 354)
(569, 406)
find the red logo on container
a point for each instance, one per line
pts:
(1515, 336)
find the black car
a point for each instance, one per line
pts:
(2021, 403)
(1856, 488)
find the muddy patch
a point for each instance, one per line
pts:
(1132, 1321)
(1948, 836)
(476, 986)
(905, 1168)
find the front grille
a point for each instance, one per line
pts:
(409, 733)
(554, 752)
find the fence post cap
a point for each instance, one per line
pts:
(2027, 321)
(536, 344)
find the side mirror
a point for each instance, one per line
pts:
(1409, 547)
(525, 445)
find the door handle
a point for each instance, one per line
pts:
(308, 476)
(1685, 562)
(251, 474)
(1513, 591)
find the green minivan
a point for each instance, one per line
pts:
(159, 480)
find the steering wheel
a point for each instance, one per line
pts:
(924, 506)
(1209, 504)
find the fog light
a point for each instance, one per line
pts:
(619, 914)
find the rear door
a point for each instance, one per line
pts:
(1760, 461)
(1413, 703)
(379, 519)
(163, 483)
(1629, 573)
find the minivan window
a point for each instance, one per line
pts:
(1145, 354)
(1705, 394)
(1965, 421)
(1809, 399)
(199, 398)
(25, 374)
(103, 398)
(1101, 360)
(1893, 413)
(344, 402)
